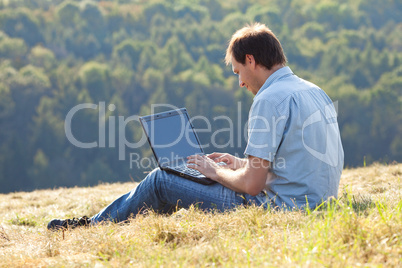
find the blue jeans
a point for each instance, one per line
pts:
(163, 192)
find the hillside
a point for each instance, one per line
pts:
(363, 228)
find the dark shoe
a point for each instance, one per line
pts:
(58, 224)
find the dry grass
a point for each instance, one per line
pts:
(362, 228)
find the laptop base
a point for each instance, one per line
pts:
(202, 180)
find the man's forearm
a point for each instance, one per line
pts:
(233, 179)
(240, 163)
(249, 179)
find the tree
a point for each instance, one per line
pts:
(68, 13)
(12, 48)
(95, 77)
(42, 57)
(21, 24)
(57, 54)
(129, 50)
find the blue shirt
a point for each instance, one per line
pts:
(293, 124)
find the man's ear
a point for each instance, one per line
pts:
(250, 60)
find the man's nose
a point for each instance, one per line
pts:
(241, 83)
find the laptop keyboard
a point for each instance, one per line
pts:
(184, 169)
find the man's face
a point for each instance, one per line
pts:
(246, 75)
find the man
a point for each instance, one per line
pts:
(294, 156)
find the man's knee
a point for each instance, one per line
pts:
(157, 174)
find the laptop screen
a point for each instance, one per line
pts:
(171, 136)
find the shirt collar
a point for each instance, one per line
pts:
(278, 74)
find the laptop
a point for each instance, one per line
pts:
(172, 138)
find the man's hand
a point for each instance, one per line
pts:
(204, 165)
(243, 176)
(231, 161)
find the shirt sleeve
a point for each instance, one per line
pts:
(265, 130)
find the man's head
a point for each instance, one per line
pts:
(257, 40)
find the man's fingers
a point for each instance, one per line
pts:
(223, 158)
(214, 155)
(195, 160)
(192, 165)
(198, 161)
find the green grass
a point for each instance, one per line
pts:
(23, 221)
(363, 227)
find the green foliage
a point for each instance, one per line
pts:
(95, 77)
(130, 51)
(68, 13)
(21, 24)
(34, 75)
(6, 101)
(12, 48)
(55, 55)
(42, 57)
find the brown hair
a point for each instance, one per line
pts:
(257, 40)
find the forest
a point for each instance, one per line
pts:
(121, 58)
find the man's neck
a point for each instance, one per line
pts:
(264, 73)
(274, 68)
